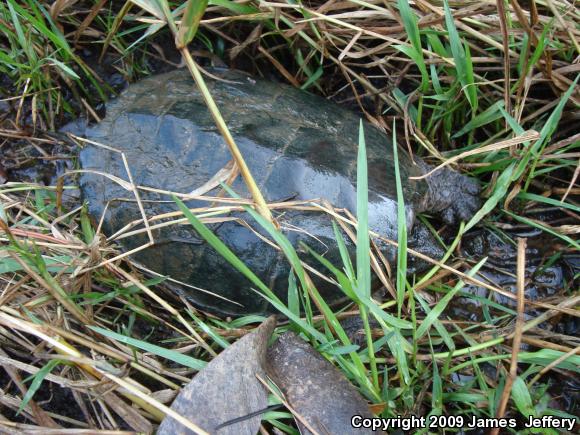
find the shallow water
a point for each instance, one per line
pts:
(550, 273)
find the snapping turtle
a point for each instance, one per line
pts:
(297, 146)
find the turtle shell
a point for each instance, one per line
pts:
(297, 145)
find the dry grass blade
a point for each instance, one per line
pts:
(11, 428)
(525, 137)
(564, 24)
(89, 19)
(506, 58)
(236, 154)
(163, 303)
(92, 369)
(517, 337)
(115, 27)
(154, 403)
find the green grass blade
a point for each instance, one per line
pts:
(209, 330)
(492, 113)
(415, 52)
(171, 355)
(313, 78)
(190, 22)
(410, 23)
(445, 336)
(522, 398)
(22, 40)
(363, 264)
(231, 258)
(470, 89)
(533, 60)
(37, 382)
(343, 281)
(435, 80)
(552, 202)
(546, 133)
(501, 187)
(329, 315)
(437, 392)
(445, 257)
(545, 357)
(523, 58)
(237, 8)
(348, 268)
(381, 315)
(163, 5)
(437, 45)
(417, 57)
(401, 230)
(65, 68)
(545, 228)
(397, 345)
(463, 65)
(151, 6)
(444, 301)
(293, 297)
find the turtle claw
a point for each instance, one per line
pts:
(453, 196)
(462, 209)
(448, 216)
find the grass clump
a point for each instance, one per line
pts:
(42, 63)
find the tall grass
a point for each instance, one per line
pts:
(39, 59)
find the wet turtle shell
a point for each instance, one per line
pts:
(297, 145)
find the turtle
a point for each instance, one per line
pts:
(298, 146)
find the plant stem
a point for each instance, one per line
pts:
(261, 206)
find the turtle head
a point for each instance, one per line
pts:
(453, 196)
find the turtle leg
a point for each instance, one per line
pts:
(455, 197)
